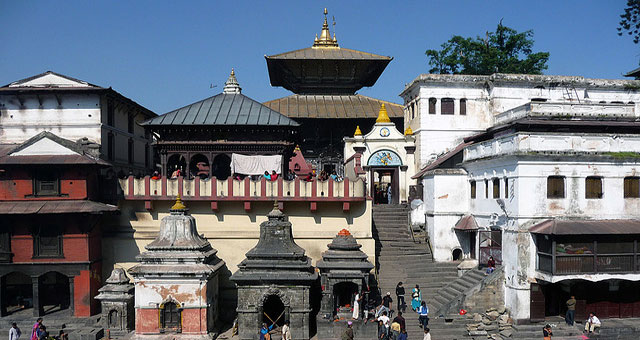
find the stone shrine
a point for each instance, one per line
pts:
(274, 281)
(116, 299)
(176, 282)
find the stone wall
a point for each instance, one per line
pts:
(490, 295)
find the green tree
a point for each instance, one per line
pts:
(630, 22)
(505, 51)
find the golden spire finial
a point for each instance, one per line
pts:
(358, 132)
(233, 73)
(383, 117)
(408, 131)
(179, 205)
(325, 39)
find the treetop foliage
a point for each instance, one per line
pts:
(630, 22)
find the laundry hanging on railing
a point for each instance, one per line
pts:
(255, 165)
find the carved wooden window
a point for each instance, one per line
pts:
(593, 187)
(555, 187)
(496, 188)
(170, 316)
(631, 187)
(47, 242)
(446, 106)
(432, 106)
(46, 184)
(473, 189)
(463, 107)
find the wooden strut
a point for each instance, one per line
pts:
(273, 322)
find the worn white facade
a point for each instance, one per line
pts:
(517, 163)
(74, 109)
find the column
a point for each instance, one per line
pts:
(72, 306)
(3, 296)
(38, 308)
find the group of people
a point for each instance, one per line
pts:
(38, 332)
(265, 334)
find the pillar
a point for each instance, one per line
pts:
(38, 308)
(71, 297)
(3, 296)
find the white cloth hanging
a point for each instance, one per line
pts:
(255, 165)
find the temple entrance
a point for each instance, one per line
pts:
(170, 316)
(176, 162)
(384, 184)
(54, 292)
(343, 294)
(273, 311)
(221, 167)
(490, 246)
(18, 292)
(199, 166)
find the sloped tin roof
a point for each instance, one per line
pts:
(333, 106)
(328, 53)
(223, 109)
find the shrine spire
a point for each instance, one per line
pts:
(231, 86)
(325, 39)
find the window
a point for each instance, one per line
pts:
(463, 107)
(170, 316)
(631, 187)
(46, 184)
(432, 106)
(506, 188)
(496, 188)
(110, 146)
(47, 242)
(555, 187)
(146, 155)
(486, 188)
(110, 113)
(593, 187)
(446, 106)
(130, 123)
(473, 189)
(130, 151)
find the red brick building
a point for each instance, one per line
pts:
(50, 238)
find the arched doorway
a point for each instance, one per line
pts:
(384, 172)
(343, 294)
(199, 166)
(170, 317)
(18, 292)
(221, 166)
(176, 162)
(273, 310)
(54, 292)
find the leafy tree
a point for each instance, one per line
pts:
(630, 22)
(505, 51)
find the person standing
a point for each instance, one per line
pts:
(400, 320)
(547, 332)
(389, 190)
(14, 332)
(356, 306)
(386, 304)
(36, 329)
(264, 332)
(423, 311)
(571, 310)
(385, 324)
(427, 335)
(286, 331)
(400, 296)
(395, 330)
(348, 333)
(416, 298)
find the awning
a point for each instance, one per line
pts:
(467, 223)
(54, 207)
(586, 227)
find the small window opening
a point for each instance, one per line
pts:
(446, 106)
(432, 106)
(496, 188)
(593, 187)
(555, 187)
(631, 187)
(463, 107)
(473, 189)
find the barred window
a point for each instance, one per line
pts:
(463, 107)
(446, 106)
(593, 187)
(555, 187)
(631, 187)
(432, 106)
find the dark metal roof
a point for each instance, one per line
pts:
(338, 106)
(633, 73)
(586, 227)
(328, 53)
(223, 109)
(54, 207)
(467, 223)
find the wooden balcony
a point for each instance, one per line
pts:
(215, 190)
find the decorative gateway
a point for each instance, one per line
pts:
(176, 282)
(274, 282)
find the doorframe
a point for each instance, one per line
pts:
(395, 181)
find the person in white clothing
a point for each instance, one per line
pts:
(286, 331)
(427, 335)
(592, 323)
(14, 332)
(356, 306)
(385, 322)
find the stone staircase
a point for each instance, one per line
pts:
(400, 258)
(76, 328)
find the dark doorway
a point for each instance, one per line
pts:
(176, 162)
(114, 319)
(537, 303)
(384, 179)
(18, 292)
(170, 317)
(472, 244)
(273, 309)
(199, 166)
(221, 167)
(490, 246)
(54, 293)
(343, 293)
(456, 254)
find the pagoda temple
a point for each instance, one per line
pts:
(324, 79)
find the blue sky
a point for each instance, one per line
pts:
(166, 54)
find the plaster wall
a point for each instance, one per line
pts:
(189, 293)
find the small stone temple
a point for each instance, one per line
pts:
(344, 270)
(274, 281)
(176, 282)
(116, 299)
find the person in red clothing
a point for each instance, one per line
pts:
(274, 175)
(491, 265)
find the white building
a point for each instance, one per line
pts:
(74, 109)
(542, 173)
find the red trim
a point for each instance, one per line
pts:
(214, 188)
(247, 206)
(346, 206)
(164, 186)
(263, 187)
(130, 186)
(196, 187)
(346, 187)
(180, 185)
(148, 205)
(314, 189)
(147, 186)
(230, 187)
(247, 187)
(313, 206)
(330, 193)
(296, 191)
(280, 189)
(214, 205)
